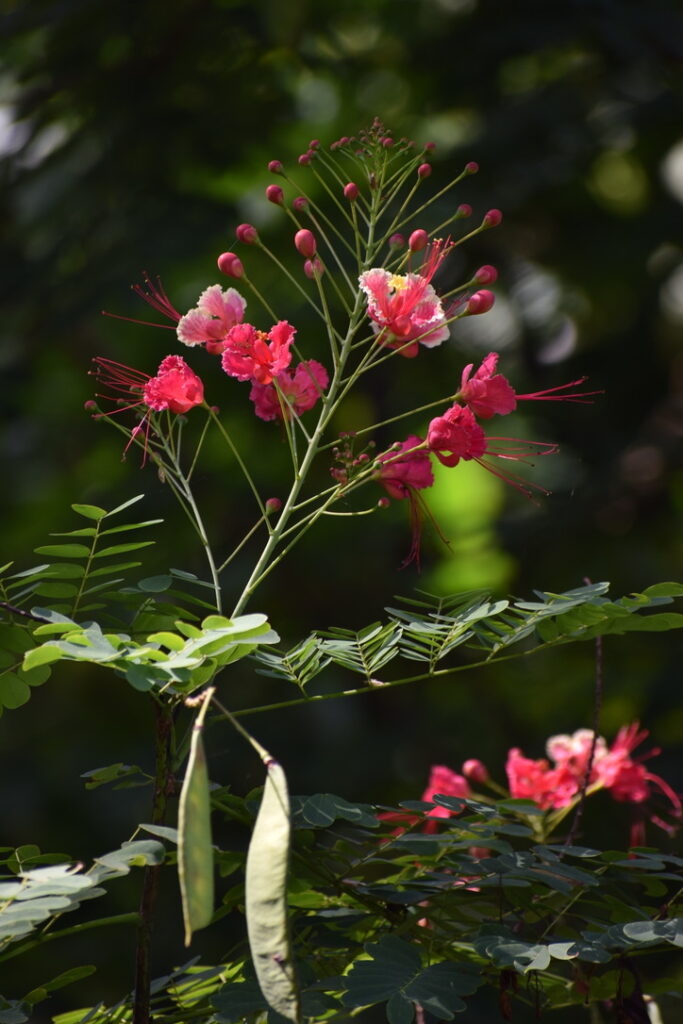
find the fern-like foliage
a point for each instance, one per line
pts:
(429, 629)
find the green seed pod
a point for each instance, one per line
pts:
(266, 896)
(195, 850)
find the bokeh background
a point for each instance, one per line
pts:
(134, 136)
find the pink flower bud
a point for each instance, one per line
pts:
(344, 140)
(314, 144)
(397, 241)
(383, 503)
(300, 203)
(472, 167)
(492, 219)
(230, 264)
(475, 771)
(247, 233)
(275, 167)
(486, 274)
(430, 147)
(480, 302)
(313, 268)
(274, 194)
(305, 243)
(418, 240)
(90, 406)
(424, 170)
(215, 409)
(304, 159)
(464, 210)
(273, 505)
(351, 191)
(387, 142)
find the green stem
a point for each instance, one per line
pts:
(163, 744)
(77, 929)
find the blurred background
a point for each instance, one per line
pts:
(135, 136)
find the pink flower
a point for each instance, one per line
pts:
(252, 355)
(175, 387)
(447, 783)
(441, 780)
(214, 316)
(536, 780)
(300, 390)
(456, 435)
(405, 308)
(573, 753)
(628, 780)
(488, 393)
(402, 476)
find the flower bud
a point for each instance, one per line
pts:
(475, 771)
(313, 268)
(305, 243)
(300, 203)
(397, 241)
(486, 274)
(351, 191)
(215, 409)
(247, 233)
(90, 406)
(472, 167)
(273, 505)
(275, 167)
(492, 219)
(480, 302)
(424, 170)
(314, 144)
(430, 147)
(274, 194)
(387, 142)
(418, 240)
(383, 503)
(230, 265)
(304, 159)
(464, 210)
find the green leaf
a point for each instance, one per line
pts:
(43, 655)
(155, 584)
(49, 589)
(195, 849)
(126, 504)
(266, 896)
(13, 691)
(64, 550)
(400, 1010)
(118, 549)
(90, 511)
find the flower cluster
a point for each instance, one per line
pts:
(578, 763)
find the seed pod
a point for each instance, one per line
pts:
(195, 850)
(266, 896)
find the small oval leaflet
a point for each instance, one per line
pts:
(195, 850)
(266, 896)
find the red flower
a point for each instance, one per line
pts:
(628, 780)
(456, 435)
(446, 783)
(488, 393)
(175, 387)
(300, 388)
(536, 780)
(402, 476)
(248, 355)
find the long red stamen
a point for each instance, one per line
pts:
(580, 397)
(156, 297)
